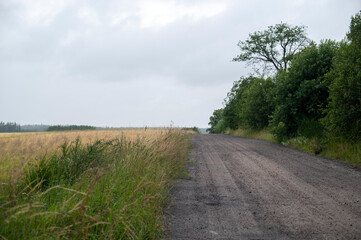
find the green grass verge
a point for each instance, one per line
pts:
(335, 149)
(107, 190)
(263, 134)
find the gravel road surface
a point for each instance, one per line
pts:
(252, 189)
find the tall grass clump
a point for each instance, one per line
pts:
(113, 189)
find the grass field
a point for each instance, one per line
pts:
(17, 150)
(88, 184)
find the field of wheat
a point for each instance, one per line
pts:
(19, 149)
(108, 184)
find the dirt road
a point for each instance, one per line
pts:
(252, 189)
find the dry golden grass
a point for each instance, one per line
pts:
(105, 190)
(18, 149)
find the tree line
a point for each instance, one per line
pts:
(299, 87)
(9, 127)
(14, 127)
(70, 127)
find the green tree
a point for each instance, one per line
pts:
(257, 104)
(231, 111)
(302, 92)
(273, 48)
(214, 119)
(344, 110)
(220, 127)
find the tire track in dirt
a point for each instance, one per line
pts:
(252, 189)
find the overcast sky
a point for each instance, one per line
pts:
(134, 63)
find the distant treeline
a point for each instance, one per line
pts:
(195, 129)
(34, 128)
(70, 128)
(9, 127)
(14, 127)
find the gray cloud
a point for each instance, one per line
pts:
(125, 63)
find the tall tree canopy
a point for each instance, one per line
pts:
(314, 90)
(344, 111)
(273, 48)
(301, 92)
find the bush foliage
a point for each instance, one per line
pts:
(344, 110)
(318, 94)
